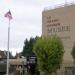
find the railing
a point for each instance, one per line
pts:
(58, 6)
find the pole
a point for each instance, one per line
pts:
(8, 48)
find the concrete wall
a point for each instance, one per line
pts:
(61, 21)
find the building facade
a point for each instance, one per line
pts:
(61, 22)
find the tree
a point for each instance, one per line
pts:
(28, 46)
(73, 52)
(49, 52)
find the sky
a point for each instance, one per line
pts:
(26, 22)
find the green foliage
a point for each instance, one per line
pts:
(28, 46)
(73, 52)
(49, 52)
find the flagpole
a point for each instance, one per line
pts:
(8, 43)
(9, 16)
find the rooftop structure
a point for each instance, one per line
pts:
(58, 6)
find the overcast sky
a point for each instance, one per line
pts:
(26, 22)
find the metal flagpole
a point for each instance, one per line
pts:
(9, 16)
(8, 48)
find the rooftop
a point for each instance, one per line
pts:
(3, 54)
(58, 6)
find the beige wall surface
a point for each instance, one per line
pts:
(61, 21)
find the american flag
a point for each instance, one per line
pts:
(8, 15)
